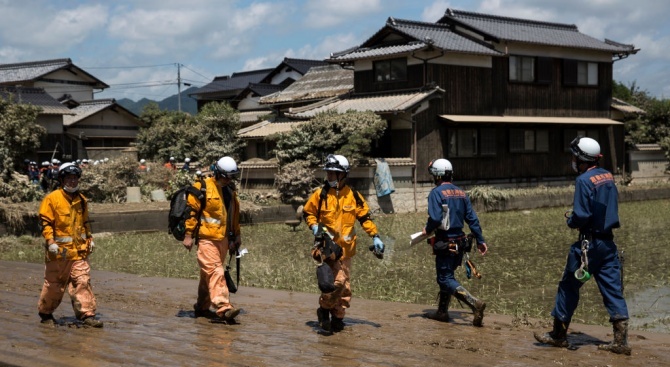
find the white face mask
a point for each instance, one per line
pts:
(71, 190)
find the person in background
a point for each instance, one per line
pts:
(337, 207)
(142, 168)
(595, 213)
(33, 173)
(170, 164)
(218, 233)
(187, 165)
(63, 216)
(449, 209)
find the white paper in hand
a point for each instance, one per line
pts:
(242, 253)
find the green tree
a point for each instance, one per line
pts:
(170, 133)
(19, 135)
(217, 126)
(350, 134)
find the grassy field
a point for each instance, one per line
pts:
(520, 274)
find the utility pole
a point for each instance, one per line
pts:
(179, 86)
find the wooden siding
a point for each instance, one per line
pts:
(364, 81)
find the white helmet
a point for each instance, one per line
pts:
(69, 169)
(440, 167)
(226, 167)
(187, 160)
(54, 161)
(106, 159)
(336, 162)
(171, 159)
(143, 161)
(585, 149)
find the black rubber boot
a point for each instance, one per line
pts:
(324, 318)
(47, 318)
(230, 314)
(336, 324)
(92, 322)
(477, 306)
(442, 313)
(620, 343)
(558, 337)
(199, 312)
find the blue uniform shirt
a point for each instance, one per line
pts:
(460, 211)
(595, 208)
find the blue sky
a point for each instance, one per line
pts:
(135, 45)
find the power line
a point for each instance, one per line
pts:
(126, 67)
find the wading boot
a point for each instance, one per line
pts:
(324, 318)
(336, 324)
(558, 337)
(198, 312)
(47, 319)
(620, 343)
(229, 315)
(442, 313)
(92, 322)
(477, 306)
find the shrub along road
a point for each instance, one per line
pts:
(149, 322)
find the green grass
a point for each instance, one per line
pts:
(520, 274)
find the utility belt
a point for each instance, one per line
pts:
(453, 245)
(590, 236)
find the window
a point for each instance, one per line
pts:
(390, 70)
(521, 68)
(580, 73)
(528, 140)
(466, 142)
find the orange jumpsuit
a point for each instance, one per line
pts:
(213, 243)
(339, 213)
(64, 219)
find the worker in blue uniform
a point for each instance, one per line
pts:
(595, 215)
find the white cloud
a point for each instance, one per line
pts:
(433, 12)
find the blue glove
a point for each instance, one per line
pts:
(315, 229)
(379, 245)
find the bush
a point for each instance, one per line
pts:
(295, 181)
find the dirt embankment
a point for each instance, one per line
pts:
(149, 322)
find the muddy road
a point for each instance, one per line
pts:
(150, 322)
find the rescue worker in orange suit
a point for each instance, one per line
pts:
(338, 212)
(218, 235)
(170, 164)
(142, 168)
(595, 213)
(450, 240)
(65, 227)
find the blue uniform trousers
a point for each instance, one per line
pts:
(605, 268)
(445, 265)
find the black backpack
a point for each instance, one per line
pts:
(180, 211)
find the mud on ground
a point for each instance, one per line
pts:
(150, 322)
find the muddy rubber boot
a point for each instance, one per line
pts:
(92, 322)
(558, 337)
(47, 319)
(337, 324)
(442, 313)
(620, 343)
(230, 314)
(324, 318)
(477, 306)
(198, 312)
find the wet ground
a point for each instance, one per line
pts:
(149, 322)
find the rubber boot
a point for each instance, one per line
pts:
(477, 306)
(442, 313)
(337, 324)
(230, 314)
(324, 318)
(620, 343)
(92, 322)
(199, 312)
(558, 337)
(47, 318)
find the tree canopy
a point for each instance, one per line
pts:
(19, 135)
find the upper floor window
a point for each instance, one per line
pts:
(528, 140)
(390, 70)
(580, 73)
(522, 68)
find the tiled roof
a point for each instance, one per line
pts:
(259, 163)
(263, 89)
(36, 97)
(302, 66)
(267, 128)
(320, 82)
(419, 35)
(501, 28)
(237, 81)
(387, 103)
(252, 116)
(622, 106)
(648, 147)
(88, 108)
(29, 71)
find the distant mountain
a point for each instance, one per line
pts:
(188, 104)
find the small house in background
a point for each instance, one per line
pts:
(73, 89)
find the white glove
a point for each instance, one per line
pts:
(92, 247)
(53, 248)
